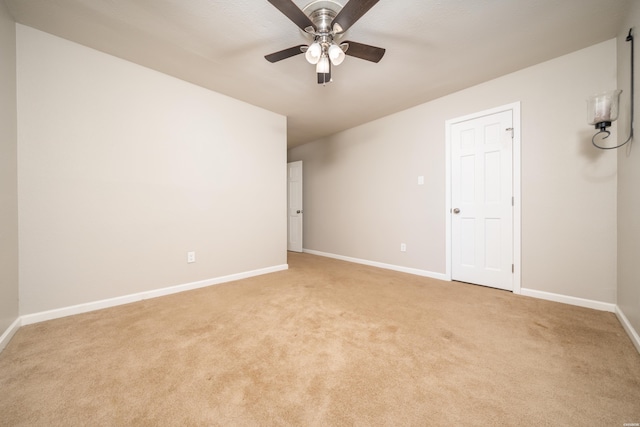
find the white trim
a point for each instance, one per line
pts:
(517, 199)
(126, 299)
(417, 272)
(97, 305)
(633, 334)
(9, 333)
(580, 302)
(517, 196)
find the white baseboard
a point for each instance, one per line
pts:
(409, 270)
(9, 333)
(126, 299)
(112, 302)
(580, 302)
(633, 334)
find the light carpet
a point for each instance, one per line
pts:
(325, 343)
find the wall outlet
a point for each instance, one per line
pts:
(421, 180)
(191, 257)
(403, 247)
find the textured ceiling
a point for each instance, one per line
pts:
(434, 47)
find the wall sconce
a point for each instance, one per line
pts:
(602, 109)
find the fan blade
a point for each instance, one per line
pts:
(350, 13)
(284, 54)
(293, 12)
(364, 51)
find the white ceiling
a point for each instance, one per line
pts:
(434, 47)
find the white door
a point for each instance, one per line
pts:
(482, 200)
(294, 206)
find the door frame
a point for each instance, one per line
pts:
(517, 205)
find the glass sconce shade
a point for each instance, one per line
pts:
(603, 108)
(313, 53)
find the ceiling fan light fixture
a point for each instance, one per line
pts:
(323, 66)
(313, 53)
(336, 54)
(323, 22)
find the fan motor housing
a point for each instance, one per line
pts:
(322, 19)
(322, 13)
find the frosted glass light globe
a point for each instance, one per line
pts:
(313, 53)
(336, 54)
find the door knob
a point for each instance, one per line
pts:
(456, 211)
(298, 211)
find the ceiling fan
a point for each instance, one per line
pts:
(326, 22)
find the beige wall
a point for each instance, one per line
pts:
(123, 170)
(629, 179)
(8, 173)
(361, 197)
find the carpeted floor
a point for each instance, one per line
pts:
(325, 343)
